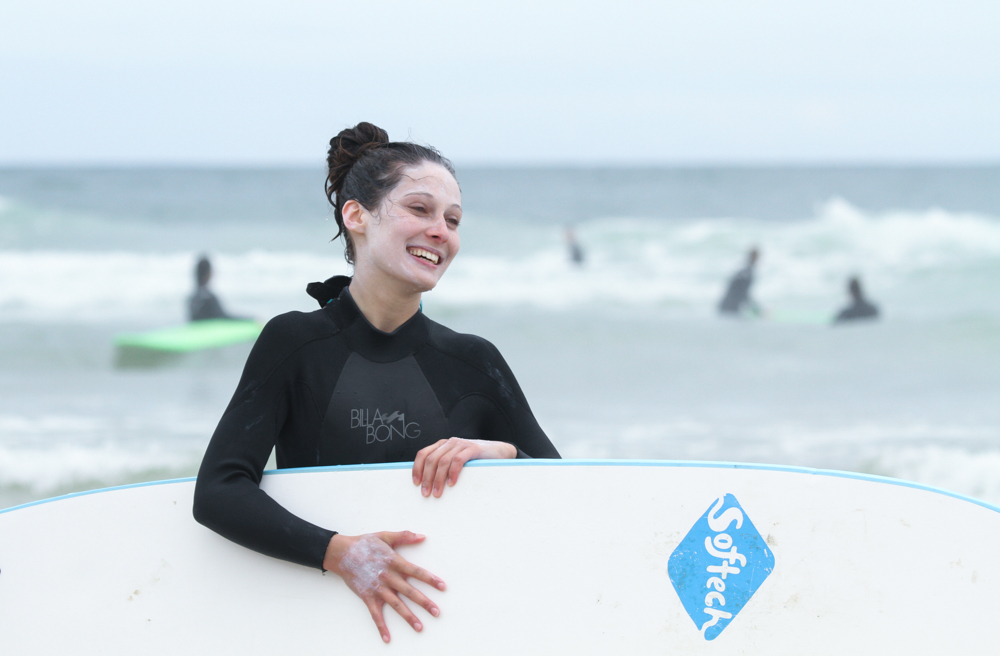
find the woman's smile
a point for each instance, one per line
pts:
(425, 255)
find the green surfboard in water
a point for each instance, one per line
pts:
(155, 347)
(815, 317)
(805, 317)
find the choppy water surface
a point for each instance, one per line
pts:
(623, 357)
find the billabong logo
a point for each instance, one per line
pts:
(719, 565)
(382, 428)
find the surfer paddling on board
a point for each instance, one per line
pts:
(737, 299)
(368, 378)
(860, 307)
(203, 304)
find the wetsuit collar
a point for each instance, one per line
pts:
(370, 342)
(325, 292)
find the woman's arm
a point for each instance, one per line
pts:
(501, 414)
(228, 498)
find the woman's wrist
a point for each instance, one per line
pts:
(334, 551)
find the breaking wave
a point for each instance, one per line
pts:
(630, 261)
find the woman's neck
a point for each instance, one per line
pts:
(385, 307)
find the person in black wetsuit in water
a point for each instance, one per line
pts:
(860, 307)
(367, 378)
(576, 254)
(203, 304)
(737, 297)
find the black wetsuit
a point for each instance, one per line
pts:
(738, 293)
(858, 309)
(327, 388)
(203, 304)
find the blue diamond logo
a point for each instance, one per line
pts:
(719, 565)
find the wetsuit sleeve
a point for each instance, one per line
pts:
(509, 419)
(228, 498)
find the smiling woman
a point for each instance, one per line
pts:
(367, 378)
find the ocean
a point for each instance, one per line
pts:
(622, 357)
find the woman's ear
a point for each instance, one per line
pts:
(355, 216)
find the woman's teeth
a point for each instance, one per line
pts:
(427, 255)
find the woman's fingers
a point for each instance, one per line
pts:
(433, 461)
(404, 567)
(397, 538)
(441, 463)
(398, 605)
(401, 586)
(459, 461)
(392, 586)
(462, 452)
(375, 608)
(408, 569)
(371, 568)
(420, 460)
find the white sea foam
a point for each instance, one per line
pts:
(630, 261)
(957, 458)
(654, 262)
(975, 473)
(68, 286)
(49, 453)
(48, 468)
(54, 454)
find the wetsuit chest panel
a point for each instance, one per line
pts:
(380, 412)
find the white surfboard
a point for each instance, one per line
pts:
(556, 557)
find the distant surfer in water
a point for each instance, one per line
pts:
(203, 304)
(860, 307)
(368, 378)
(737, 298)
(576, 255)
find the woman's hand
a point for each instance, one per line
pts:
(442, 461)
(376, 573)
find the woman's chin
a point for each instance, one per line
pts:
(425, 280)
(421, 284)
(409, 279)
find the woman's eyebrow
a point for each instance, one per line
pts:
(431, 197)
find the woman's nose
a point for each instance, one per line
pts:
(438, 229)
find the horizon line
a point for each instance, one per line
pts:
(527, 164)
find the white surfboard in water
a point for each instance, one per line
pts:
(557, 557)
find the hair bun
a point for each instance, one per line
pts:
(348, 147)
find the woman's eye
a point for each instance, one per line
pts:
(452, 221)
(419, 208)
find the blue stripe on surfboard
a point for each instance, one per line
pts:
(543, 462)
(97, 491)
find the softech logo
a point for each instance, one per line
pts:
(383, 427)
(719, 565)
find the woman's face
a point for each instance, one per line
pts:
(414, 235)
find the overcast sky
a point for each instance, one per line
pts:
(522, 81)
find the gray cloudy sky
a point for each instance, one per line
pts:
(523, 81)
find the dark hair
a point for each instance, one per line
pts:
(202, 271)
(363, 165)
